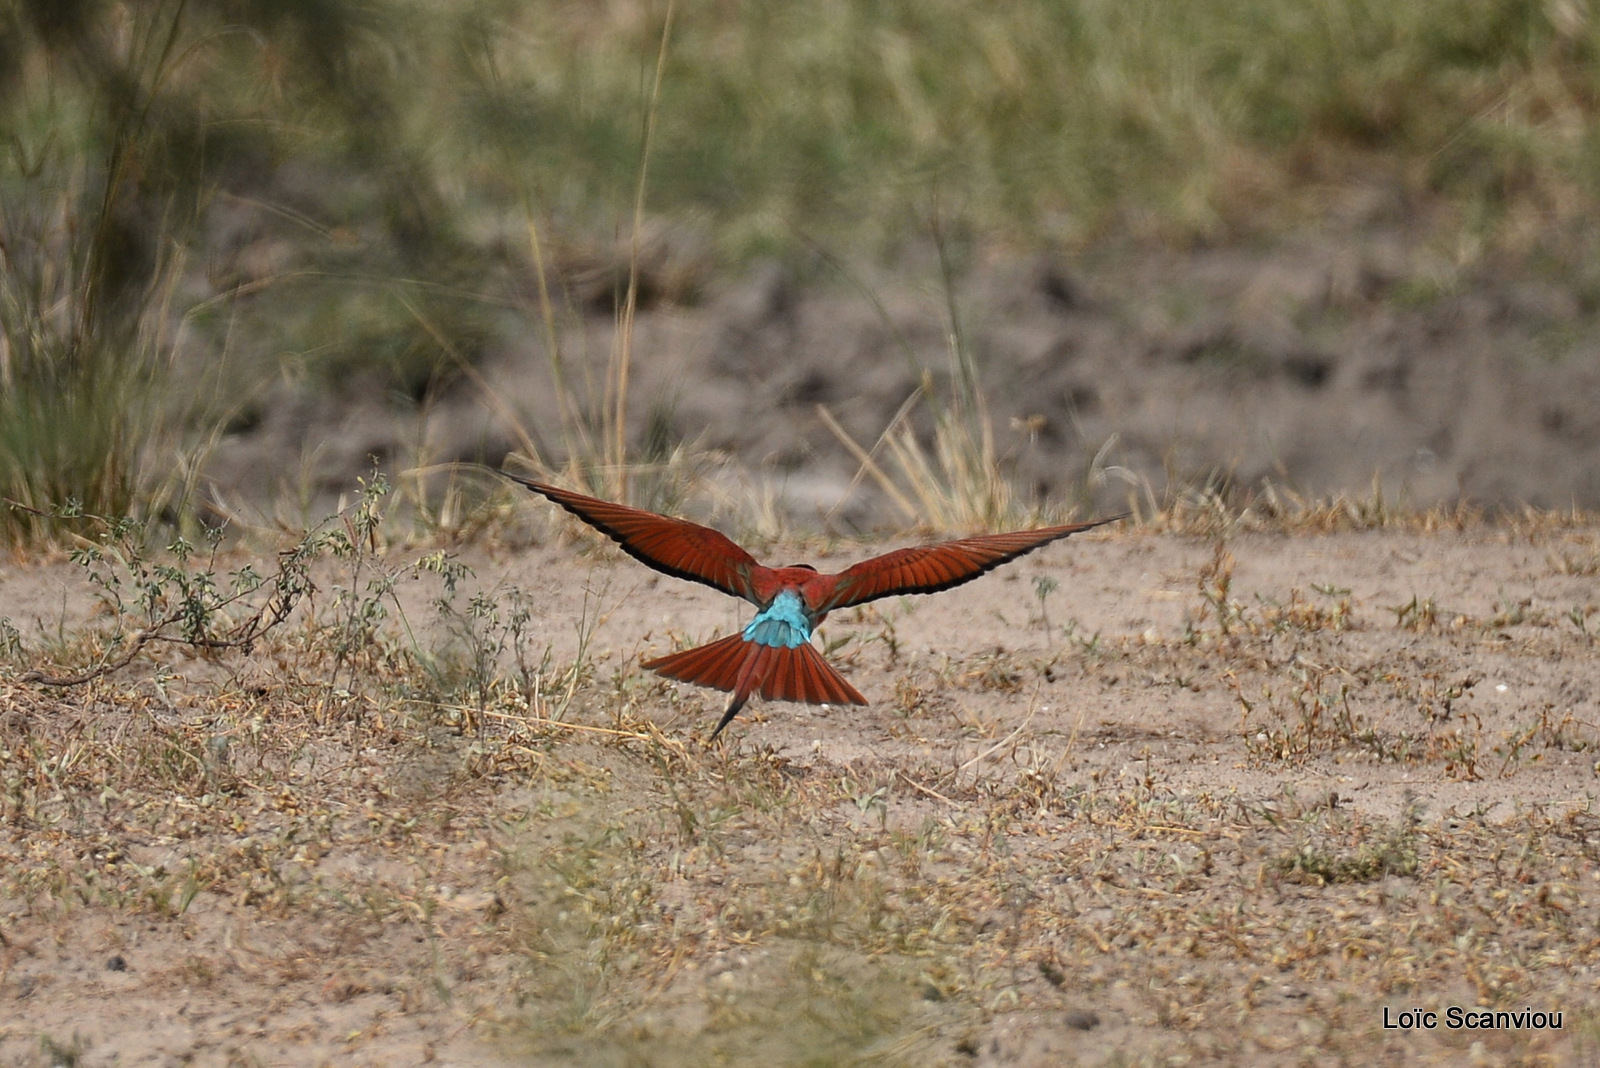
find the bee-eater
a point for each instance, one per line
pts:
(773, 656)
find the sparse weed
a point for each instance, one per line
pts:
(1460, 748)
(1320, 862)
(1419, 614)
(1215, 582)
(63, 1054)
(997, 670)
(910, 699)
(176, 598)
(1088, 645)
(1567, 733)
(1584, 562)
(1509, 613)
(1043, 587)
(1304, 617)
(1311, 714)
(1215, 506)
(154, 601)
(498, 625)
(10, 640)
(1577, 615)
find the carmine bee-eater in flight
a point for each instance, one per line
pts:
(773, 656)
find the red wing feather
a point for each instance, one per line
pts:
(674, 547)
(931, 568)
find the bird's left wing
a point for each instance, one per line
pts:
(931, 568)
(675, 547)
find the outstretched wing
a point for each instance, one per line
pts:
(931, 568)
(674, 547)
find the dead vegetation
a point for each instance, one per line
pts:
(455, 819)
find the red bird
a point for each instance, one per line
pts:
(773, 656)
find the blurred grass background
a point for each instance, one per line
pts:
(199, 196)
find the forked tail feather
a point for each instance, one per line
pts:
(743, 667)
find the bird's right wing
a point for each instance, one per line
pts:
(674, 547)
(931, 568)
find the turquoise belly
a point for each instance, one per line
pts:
(784, 623)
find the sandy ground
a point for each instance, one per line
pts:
(1203, 802)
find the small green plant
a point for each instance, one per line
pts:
(1461, 747)
(1043, 587)
(177, 602)
(1305, 617)
(10, 640)
(1578, 616)
(361, 601)
(64, 1054)
(175, 596)
(1318, 863)
(1310, 713)
(875, 801)
(1514, 613)
(1419, 614)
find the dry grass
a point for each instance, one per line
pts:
(526, 842)
(654, 895)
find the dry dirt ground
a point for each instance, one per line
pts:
(1321, 364)
(1205, 801)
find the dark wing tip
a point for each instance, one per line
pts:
(709, 557)
(935, 568)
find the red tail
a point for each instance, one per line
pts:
(745, 668)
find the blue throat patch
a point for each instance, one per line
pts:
(785, 622)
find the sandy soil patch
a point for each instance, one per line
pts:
(1201, 802)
